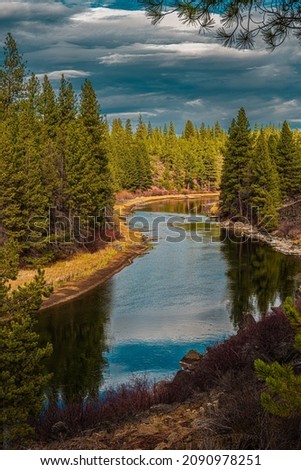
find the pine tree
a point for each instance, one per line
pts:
(264, 194)
(149, 129)
(235, 175)
(48, 109)
(66, 102)
(21, 358)
(273, 141)
(188, 130)
(208, 155)
(22, 195)
(95, 127)
(117, 149)
(14, 214)
(188, 146)
(288, 163)
(12, 74)
(141, 156)
(141, 131)
(90, 114)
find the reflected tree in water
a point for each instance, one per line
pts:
(78, 333)
(257, 276)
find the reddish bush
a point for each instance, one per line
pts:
(115, 405)
(269, 339)
(177, 390)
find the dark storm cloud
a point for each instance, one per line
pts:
(165, 72)
(32, 11)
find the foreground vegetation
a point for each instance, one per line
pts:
(217, 405)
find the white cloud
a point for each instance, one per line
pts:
(285, 107)
(112, 59)
(97, 14)
(138, 52)
(130, 115)
(197, 102)
(56, 75)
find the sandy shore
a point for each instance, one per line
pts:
(125, 253)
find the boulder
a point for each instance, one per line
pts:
(191, 360)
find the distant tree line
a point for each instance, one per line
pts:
(158, 157)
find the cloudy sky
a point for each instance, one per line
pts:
(166, 72)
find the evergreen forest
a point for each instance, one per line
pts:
(62, 166)
(62, 163)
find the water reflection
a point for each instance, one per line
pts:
(78, 336)
(258, 277)
(178, 296)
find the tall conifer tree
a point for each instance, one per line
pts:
(12, 74)
(235, 177)
(48, 108)
(264, 194)
(288, 163)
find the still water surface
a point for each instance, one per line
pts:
(186, 292)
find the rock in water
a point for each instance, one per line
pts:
(190, 360)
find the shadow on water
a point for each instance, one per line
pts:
(258, 277)
(177, 297)
(77, 331)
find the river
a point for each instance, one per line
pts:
(188, 291)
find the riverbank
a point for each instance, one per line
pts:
(286, 246)
(83, 272)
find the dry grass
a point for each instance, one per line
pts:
(78, 267)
